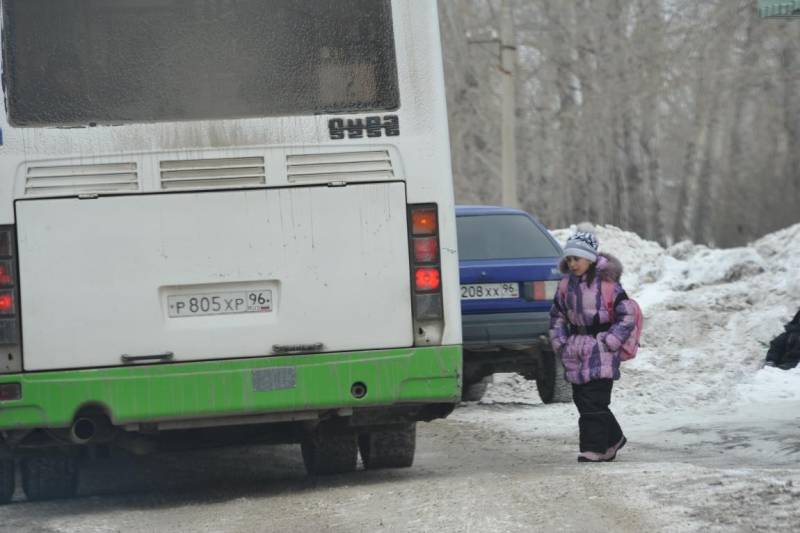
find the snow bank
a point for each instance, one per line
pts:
(770, 385)
(709, 316)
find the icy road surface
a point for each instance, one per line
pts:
(498, 467)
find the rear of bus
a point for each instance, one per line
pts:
(223, 222)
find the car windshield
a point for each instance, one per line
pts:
(502, 237)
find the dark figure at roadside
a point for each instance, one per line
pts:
(784, 350)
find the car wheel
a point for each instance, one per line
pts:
(475, 391)
(550, 381)
(389, 448)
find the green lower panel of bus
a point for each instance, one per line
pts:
(236, 387)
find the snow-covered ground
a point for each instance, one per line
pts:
(696, 388)
(709, 316)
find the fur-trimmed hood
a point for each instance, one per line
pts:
(609, 268)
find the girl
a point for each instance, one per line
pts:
(587, 334)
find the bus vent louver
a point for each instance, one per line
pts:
(213, 173)
(81, 179)
(340, 166)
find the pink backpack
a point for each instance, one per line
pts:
(629, 348)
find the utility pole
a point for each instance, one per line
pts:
(508, 69)
(508, 61)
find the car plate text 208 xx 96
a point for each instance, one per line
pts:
(487, 291)
(220, 303)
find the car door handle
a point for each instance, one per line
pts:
(166, 356)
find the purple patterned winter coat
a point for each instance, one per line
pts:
(588, 357)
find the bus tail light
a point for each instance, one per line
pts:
(6, 303)
(5, 274)
(424, 220)
(427, 280)
(426, 272)
(426, 250)
(10, 349)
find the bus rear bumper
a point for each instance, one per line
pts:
(243, 391)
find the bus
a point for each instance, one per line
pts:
(223, 222)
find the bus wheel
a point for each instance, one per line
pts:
(474, 391)
(389, 448)
(327, 453)
(7, 480)
(49, 477)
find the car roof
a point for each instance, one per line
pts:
(489, 210)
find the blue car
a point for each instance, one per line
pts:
(509, 274)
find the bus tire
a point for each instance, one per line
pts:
(389, 448)
(550, 381)
(49, 477)
(7, 480)
(327, 453)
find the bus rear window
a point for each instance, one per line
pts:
(78, 62)
(502, 237)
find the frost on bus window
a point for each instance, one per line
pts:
(77, 62)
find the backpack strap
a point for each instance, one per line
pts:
(607, 291)
(561, 292)
(563, 285)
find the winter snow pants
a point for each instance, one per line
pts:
(599, 430)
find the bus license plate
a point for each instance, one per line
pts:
(488, 291)
(220, 303)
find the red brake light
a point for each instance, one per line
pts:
(423, 221)
(5, 273)
(425, 250)
(538, 291)
(428, 279)
(6, 303)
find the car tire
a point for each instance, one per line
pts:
(550, 381)
(389, 448)
(475, 391)
(49, 477)
(328, 453)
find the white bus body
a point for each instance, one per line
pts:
(225, 212)
(114, 220)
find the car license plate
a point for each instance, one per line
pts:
(220, 303)
(488, 291)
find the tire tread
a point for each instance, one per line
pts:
(389, 448)
(7, 480)
(330, 453)
(49, 477)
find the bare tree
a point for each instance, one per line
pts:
(675, 119)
